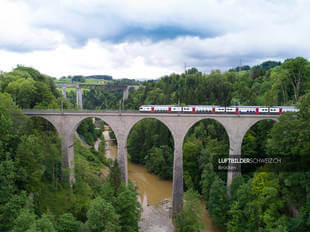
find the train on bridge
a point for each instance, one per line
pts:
(208, 109)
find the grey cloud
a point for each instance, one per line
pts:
(207, 34)
(121, 21)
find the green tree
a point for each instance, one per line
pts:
(107, 192)
(159, 161)
(207, 179)
(129, 209)
(236, 222)
(191, 151)
(189, 220)
(290, 139)
(242, 215)
(280, 85)
(67, 223)
(297, 71)
(78, 79)
(266, 200)
(218, 203)
(115, 177)
(43, 224)
(12, 199)
(102, 217)
(25, 220)
(87, 130)
(30, 88)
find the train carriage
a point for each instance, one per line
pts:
(232, 110)
(208, 109)
(248, 109)
(187, 109)
(175, 109)
(263, 110)
(275, 110)
(289, 109)
(146, 109)
(161, 109)
(204, 109)
(219, 109)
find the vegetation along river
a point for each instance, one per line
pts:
(152, 189)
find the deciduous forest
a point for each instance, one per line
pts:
(34, 193)
(259, 201)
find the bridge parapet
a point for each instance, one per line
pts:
(89, 86)
(67, 85)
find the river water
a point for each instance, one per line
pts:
(151, 188)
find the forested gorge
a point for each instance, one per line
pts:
(259, 201)
(34, 191)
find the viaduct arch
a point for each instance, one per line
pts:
(66, 123)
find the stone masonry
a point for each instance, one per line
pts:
(121, 123)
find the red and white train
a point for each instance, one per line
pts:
(217, 109)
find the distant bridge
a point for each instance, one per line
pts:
(79, 100)
(66, 123)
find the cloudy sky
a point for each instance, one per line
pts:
(149, 39)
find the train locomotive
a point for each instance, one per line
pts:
(208, 109)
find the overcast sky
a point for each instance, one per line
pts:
(149, 39)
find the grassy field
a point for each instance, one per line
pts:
(87, 81)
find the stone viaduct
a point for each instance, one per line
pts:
(66, 123)
(78, 87)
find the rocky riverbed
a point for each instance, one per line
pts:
(155, 218)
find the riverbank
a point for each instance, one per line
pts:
(155, 218)
(154, 196)
(154, 193)
(155, 199)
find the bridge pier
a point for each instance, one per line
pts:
(122, 158)
(126, 91)
(64, 91)
(79, 101)
(67, 147)
(235, 143)
(177, 191)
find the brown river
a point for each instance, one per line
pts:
(151, 188)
